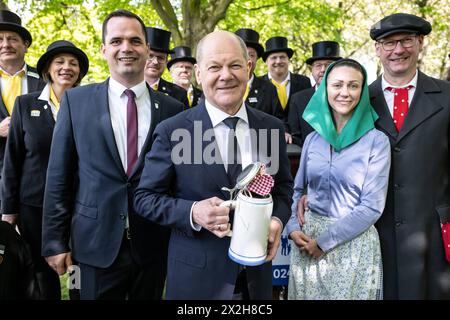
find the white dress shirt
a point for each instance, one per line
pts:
(389, 96)
(45, 96)
(118, 111)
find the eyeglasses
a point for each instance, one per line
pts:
(320, 65)
(159, 59)
(406, 43)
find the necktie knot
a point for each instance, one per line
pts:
(400, 105)
(231, 122)
(129, 93)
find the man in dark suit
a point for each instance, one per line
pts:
(185, 195)
(260, 93)
(324, 53)
(159, 41)
(100, 139)
(414, 112)
(181, 67)
(277, 57)
(16, 77)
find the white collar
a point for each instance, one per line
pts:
(288, 78)
(217, 116)
(385, 84)
(119, 88)
(24, 69)
(45, 94)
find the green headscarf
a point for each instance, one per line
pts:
(318, 114)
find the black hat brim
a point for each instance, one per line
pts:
(83, 60)
(188, 59)
(258, 47)
(289, 52)
(391, 32)
(161, 50)
(312, 59)
(24, 33)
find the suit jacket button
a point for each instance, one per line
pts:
(122, 216)
(398, 223)
(129, 184)
(397, 149)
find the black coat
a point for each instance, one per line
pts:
(299, 127)
(34, 84)
(298, 83)
(17, 273)
(174, 91)
(263, 96)
(198, 94)
(86, 183)
(414, 265)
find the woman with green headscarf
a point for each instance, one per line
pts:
(344, 170)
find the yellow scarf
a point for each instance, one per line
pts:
(281, 91)
(54, 99)
(12, 88)
(247, 91)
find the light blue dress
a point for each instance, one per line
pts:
(346, 195)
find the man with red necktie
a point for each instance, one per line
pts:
(100, 140)
(414, 112)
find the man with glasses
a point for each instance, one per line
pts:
(324, 53)
(414, 112)
(159, 40)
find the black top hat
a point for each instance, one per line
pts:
(277, 44)
(181, 53)
(63, 46)
(399, 22)
(159, 39)
(10, 21)
(251, 39)
(324, 50)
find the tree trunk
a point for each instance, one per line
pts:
(197, 20)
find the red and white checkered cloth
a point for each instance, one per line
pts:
(261, 184)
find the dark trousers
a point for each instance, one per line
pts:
(241, 286)
(124, 279)
(30, 227)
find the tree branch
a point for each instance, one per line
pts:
(165, 11)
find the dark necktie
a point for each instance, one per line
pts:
(400, 105)
(234, 160)
(132, 131)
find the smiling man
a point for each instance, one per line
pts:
(186, 196)
(414, 112)
(100, 139)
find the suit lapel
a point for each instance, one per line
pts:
(422, 107)
(216, 171)
(378, 102)
(101, 99)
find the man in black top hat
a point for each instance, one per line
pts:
(16, 77)
(181, 67)
(324, 53)
(158, 40)
(414, 112)
(277, 57)
(260, 94)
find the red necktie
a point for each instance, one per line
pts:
(132, 131)
(400, 105)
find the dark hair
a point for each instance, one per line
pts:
(46, 71)
(126, 14)
(348, 63)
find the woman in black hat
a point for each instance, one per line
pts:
(62, 66)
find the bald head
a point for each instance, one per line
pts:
(217, 39)
(222, 70)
